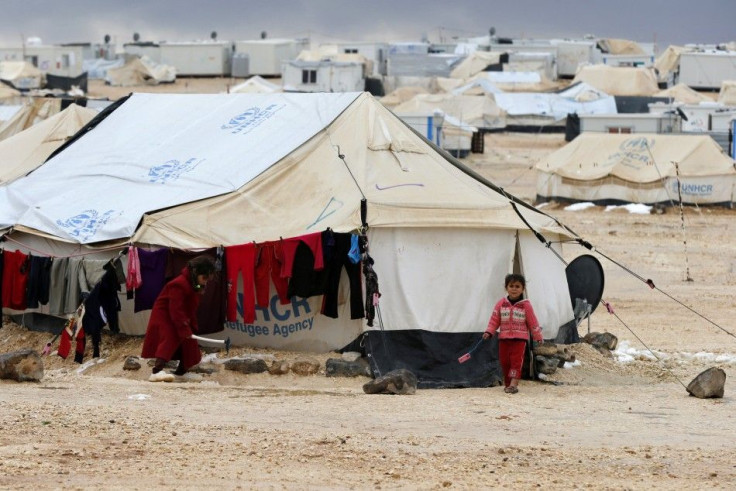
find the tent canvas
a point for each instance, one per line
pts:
(619, 80)
(21, 75)
(282, 165)
(25, 151)
(28, 115)
(612, 168)
(478, 111)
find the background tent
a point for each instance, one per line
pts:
(476, 62)
(235, 168)
(24, 151)
(610, 168)
(727, 94)
(478, 111)
(256, 84)
(7, 93)
(619, 80)
(140, 71)
(21, 75)
(37, 110)
(684, 94)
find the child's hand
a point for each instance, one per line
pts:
(486, 335)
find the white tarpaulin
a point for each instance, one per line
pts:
(220, 142)
(552, 105)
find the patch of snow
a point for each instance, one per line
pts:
(139, 397)
(633, 208)
(542, 205)
(579, 206)
(569, 365)
(209, 358)
(91, 363)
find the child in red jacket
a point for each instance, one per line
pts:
(513, 317)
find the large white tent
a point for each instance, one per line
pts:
(640, 168)
(195, 171)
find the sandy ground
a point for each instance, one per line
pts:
(607, 425)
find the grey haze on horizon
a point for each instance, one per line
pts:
(324, 21)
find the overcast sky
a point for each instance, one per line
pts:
(324, 21)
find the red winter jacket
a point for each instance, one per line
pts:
(173, 320)
(514, 321)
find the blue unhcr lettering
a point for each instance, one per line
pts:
(251, 118)
(86, 224)
(171, 170)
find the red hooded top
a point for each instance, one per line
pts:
(173, 320)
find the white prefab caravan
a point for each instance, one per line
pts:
(266, 56)
(141, 49)
(323, 76)
(664, 122)
(633, 60)
(376, 52)
(206, 58)
(572, 53)
(707, 69)
(64, 61)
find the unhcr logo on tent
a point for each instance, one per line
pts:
(276, 319)
(693, 189)
(633, 152)
(86, 224)
(638, 144)
(253, 117)
(171, 170)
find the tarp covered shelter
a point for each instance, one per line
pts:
(668, 62)
(640, 168)
(7, 92)
(684, 94)
(195, 171)
(619, 80)
(476, 62)
(256, 84)
(21, 75)
(727, 94)
(35, 111)
(140, 71)
(25, 151)
(478, 111)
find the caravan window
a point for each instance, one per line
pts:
(619, 129)
(309, 76)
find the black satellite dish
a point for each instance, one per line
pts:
(107, 39)
(213, 35)
(585, 281)
(136, 37)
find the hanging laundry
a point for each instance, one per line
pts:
(90, 273)
(133, 280)
(153, 277)
(241, 260)
(268, 269)
(15, 280)
(289, 247)
(101, 308)
(340, 258)
(39, 280)
(306, 281)
(72, 294)
(57, 288)
(372, 294)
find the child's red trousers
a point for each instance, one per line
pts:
(511, 356)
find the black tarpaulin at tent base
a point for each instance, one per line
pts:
(433, 357)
